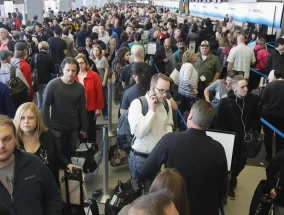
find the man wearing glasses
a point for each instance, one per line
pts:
(149, 129)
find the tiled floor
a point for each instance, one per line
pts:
(247, 181)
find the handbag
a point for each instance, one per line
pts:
(35, 75)
(252, 143)
(87, 156)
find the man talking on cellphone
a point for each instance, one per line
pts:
(150, 128)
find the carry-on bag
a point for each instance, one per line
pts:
(87, 156)
(261, 202)
(74, 194)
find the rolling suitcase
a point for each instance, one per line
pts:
(74, 194)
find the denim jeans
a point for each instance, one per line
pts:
(135, 164)
(66, 141)
(39, 93)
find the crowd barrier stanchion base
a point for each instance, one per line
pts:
(101, 197)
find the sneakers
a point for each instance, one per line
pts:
(268, 157)
(231, 194)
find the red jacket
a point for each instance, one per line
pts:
(261, 55)
(26, 69)
(94, 92)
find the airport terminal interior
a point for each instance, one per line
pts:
(116, 44)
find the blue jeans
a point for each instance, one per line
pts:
(135, 164)
(39, 93)
(66, 141)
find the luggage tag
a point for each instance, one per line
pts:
(202, 78)
(113, 200)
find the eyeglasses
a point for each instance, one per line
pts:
(162, 91)
(80, 63)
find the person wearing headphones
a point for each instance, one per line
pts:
(66, 98)
(238, 112)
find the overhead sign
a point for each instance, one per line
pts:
(260, 13)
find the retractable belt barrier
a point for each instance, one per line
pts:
(258, 72)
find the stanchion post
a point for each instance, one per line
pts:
(101, 195)
(109, 108)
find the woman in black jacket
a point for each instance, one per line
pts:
(35, 138)
(45, 68)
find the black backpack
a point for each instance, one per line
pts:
(19, 91)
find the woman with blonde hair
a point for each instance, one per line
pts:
(34, 137)
(94, 95)
(45, 68)
(188, 78)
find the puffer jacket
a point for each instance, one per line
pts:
(261, 56)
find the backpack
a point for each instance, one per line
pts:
(124, 136)
(19, 91)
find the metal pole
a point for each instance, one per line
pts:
(105, 161)
(109, 105)
(101, 195)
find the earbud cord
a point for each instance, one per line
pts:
(242, 112)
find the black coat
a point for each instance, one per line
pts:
(274, 60)
(35, 191)
(45, 66)
(55, 158)
(272, 170)
(202, 36)
(230, 115)
(202, 163)
(160, 55)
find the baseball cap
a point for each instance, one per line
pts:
(20, 46)
(4, 54)
(205, 43)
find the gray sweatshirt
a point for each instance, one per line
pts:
(68, 106)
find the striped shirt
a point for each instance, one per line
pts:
(188, 75)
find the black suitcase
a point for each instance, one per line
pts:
(261, 202)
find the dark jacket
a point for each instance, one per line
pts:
(202, 163)
(272, 99)
(42, 37)
(81, 37)
(35, 191)
(45, 66)
(274, 60)
(160, 55)
(230, 114)
(202, 36)
(6, 104)
(272, 170)
(54, 156)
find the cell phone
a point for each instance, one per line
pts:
(152, 89)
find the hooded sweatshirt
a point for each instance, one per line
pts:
(261, 56)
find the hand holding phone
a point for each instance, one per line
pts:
(152, 100)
